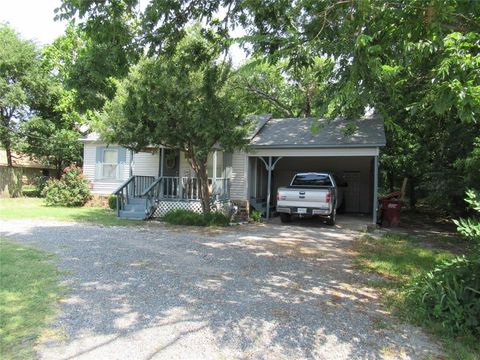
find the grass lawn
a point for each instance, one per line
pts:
(34, 208)
(398, 258)
(28, 294)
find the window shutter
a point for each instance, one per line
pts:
(227, 164)
(122, 158)
(99, 162)
(122, 155)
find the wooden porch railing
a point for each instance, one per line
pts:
(183, 189)
(134, 187)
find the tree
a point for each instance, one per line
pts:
(19, 83)
(415, 62)
(51, 133)
(179, 101)
(283, 91)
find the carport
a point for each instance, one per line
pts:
(349, 149)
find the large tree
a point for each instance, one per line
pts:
(415, 61)
(20, 83)
(179, 101)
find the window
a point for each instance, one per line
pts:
(110, 162)
(312, 180)
(219, 164)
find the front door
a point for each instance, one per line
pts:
(171, 163)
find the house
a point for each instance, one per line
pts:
(31, 168)
(157, 180)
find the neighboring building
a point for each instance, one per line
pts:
(279, 148)
(32, 168)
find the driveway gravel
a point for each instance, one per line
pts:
(248, 292)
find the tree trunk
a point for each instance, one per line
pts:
(413, 195)
(391, 181)
(204, 188)
(58, 169)
(8, 152)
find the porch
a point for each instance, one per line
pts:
(144, 197)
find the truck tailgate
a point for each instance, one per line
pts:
(316, 198)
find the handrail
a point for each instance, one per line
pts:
(125, 184)
(152, 186)
(133, 187)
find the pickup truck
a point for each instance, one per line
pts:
(308, 194)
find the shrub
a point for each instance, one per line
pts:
(186, 217)
(112, 202)
(30, 191)
(450, 294)
(256, 215)
(71, 190)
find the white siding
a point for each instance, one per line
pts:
(101, 187)
(89, 154)
(238, 190)
(146, 163)
(184, 168)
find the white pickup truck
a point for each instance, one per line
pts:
(308, 194)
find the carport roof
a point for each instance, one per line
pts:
(313, 132)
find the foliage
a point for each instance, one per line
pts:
(450, 295)
(283, 91)
(30, 191)
(34, 208)
(470, 228)
(112, 202)
(27, 299)
(415, 62)
(179, 101)
(71, 190)
(186, 217)
(20, 83)
(256, 215)
(400, 258)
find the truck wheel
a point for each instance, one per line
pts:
(331, 218)
(285, 218)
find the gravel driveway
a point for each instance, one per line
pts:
(253, 292)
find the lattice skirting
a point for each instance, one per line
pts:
(164, 206)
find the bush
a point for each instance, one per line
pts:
(256, 215)
(71, 190)
(186, 217)
(450, 295)
(112, 202)
(30, 191)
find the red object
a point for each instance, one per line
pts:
(327, 199)
(391, 207)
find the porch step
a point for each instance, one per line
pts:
(137, 201)
(134, 207)
(124, 214)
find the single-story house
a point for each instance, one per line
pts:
(31, 167)
(278, 149)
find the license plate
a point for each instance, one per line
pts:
(302, 210)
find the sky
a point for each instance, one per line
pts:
(33, 19)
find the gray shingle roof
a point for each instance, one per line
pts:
(297, 132)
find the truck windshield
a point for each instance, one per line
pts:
(312, 180)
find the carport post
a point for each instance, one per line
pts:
(269, 189)
(375, 189)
